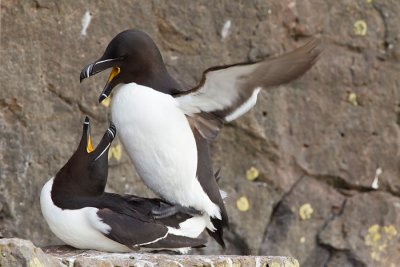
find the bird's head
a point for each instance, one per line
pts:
(131, 55)
(88, 166)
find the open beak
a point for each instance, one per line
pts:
(109, 85)
(99, 66)
(104, 144)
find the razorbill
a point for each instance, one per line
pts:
(81, 214)
(166, 129)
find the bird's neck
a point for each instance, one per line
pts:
(67, 187)
(159, 79)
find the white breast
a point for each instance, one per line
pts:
(160, 142)
(80, 228)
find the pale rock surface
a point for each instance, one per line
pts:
(20, 252)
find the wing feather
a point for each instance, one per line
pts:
(130, 231)
(230, 91)
(135, 233)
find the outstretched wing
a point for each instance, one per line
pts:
(225, 93)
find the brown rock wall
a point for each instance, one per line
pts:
(319, 140)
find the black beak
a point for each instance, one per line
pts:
(106, 91)
(105, 142)
(111, 131)
(86, 123)
(99, 66)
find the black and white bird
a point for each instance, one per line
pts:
(81, 214)
(166, 129)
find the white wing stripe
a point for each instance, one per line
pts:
(219, 91)
(102, 152)
(154, 241)
(246, 106)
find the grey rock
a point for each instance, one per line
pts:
(367, 228)
(19, 252)
(307, 128)
(298, 219)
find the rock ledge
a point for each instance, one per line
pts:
(20, 252)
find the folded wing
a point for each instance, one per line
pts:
(135, 233)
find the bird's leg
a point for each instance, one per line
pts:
(165, 211)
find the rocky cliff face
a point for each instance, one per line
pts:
(312, 172)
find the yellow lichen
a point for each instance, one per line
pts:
(382, 247)
(378, 239)
(373, 235)
(115, 152)
(302, 239)
(353, 99)
(360, 28)
(306, 211)
(375, 256)
(243, 204)
(390, 230)
(374, 229)
(252, 173)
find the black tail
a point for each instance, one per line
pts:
(209, 184)
(218, 234)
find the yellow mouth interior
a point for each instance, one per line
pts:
(89, 146)
(115, 71)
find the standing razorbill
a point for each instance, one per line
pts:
(81, 214)
(166, 130)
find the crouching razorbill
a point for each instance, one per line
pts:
(82, 215)
(166, 130)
